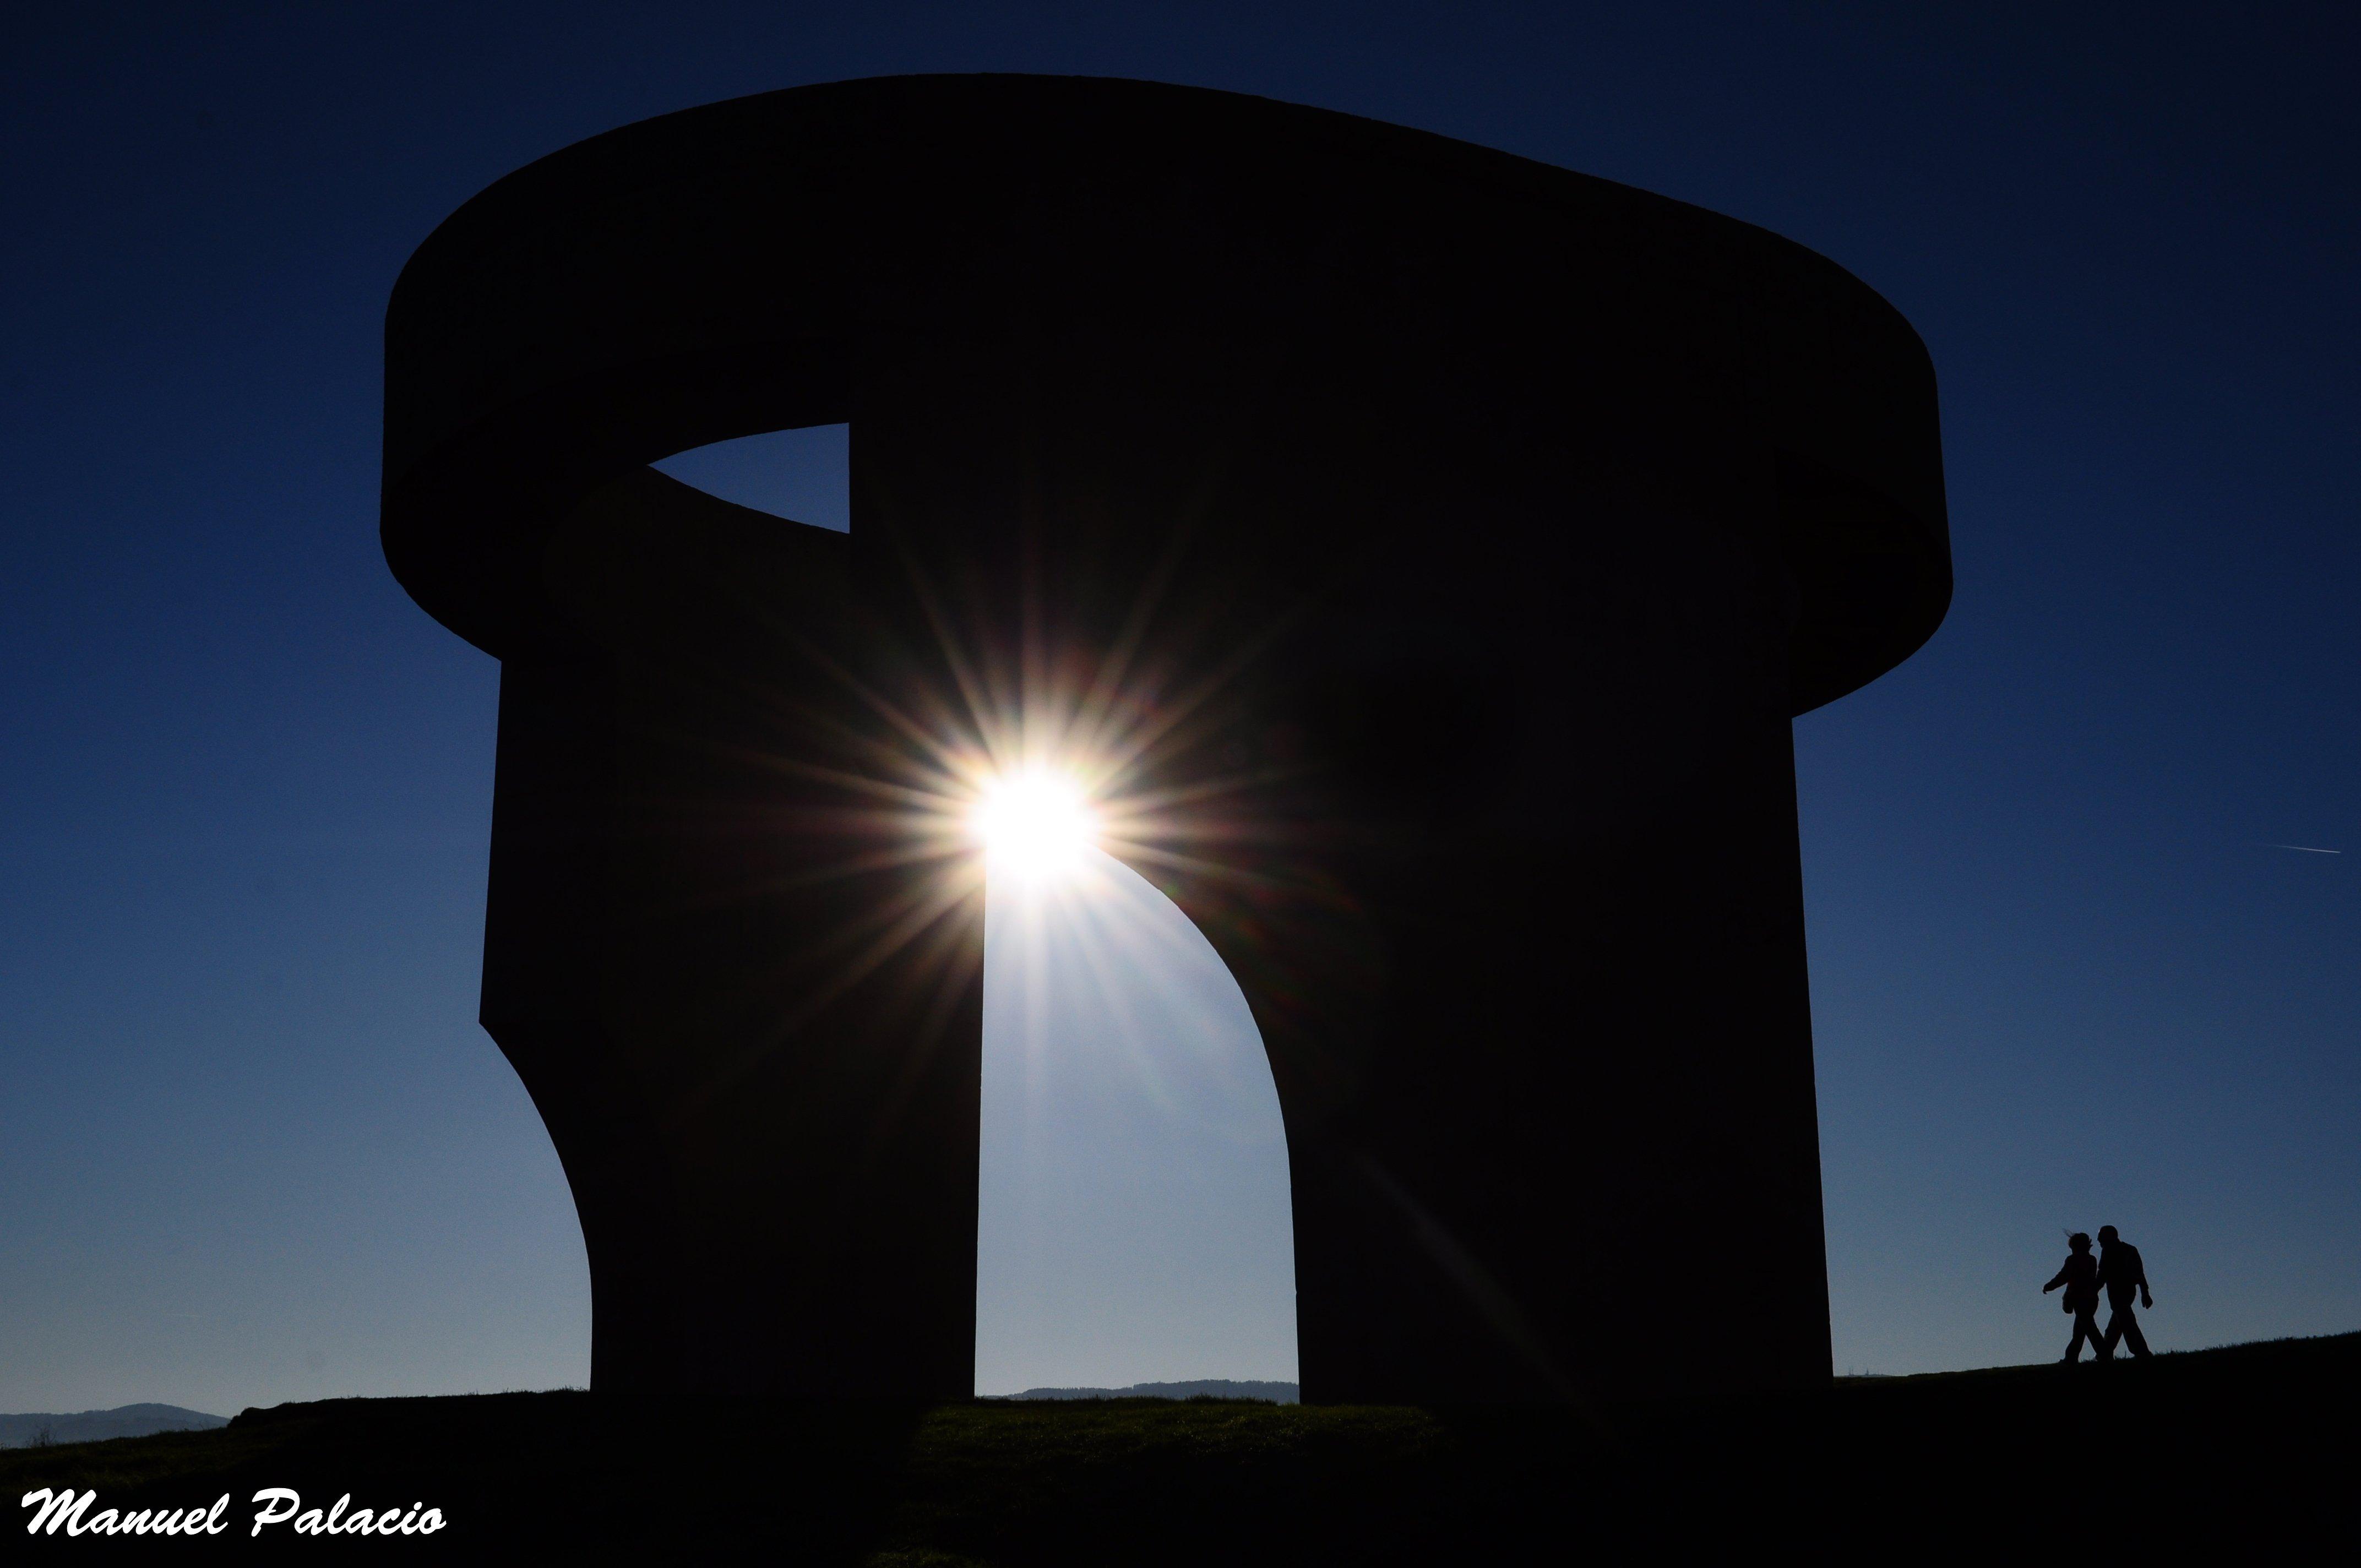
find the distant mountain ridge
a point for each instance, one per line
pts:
(97, 1426)
(1208, 1387)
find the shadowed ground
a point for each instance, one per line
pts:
(2242, 1445)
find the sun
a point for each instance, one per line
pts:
(1035, 825)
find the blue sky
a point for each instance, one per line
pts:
(254, 1148)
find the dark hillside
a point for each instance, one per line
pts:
(2235, 1447)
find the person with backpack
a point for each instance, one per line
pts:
(2079, 1276)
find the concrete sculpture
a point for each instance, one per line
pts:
(1428, 547)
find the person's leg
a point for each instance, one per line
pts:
(2086, 1328)
(2131, 1332)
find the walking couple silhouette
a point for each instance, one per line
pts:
(2118, 1270)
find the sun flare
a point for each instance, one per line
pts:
(1035, 825)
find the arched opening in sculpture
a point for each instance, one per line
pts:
(1134, 1217)
(1133, 1221)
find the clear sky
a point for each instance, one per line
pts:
(253, 1145)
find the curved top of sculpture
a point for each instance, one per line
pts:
(742, 267)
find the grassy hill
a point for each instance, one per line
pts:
(2236, 1447)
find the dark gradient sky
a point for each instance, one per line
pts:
(252, 1144)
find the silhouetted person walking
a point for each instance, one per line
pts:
(2122, 1274)
(2079, 1276)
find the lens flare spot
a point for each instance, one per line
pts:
(1035, 825)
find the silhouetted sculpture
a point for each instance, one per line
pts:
(1438, 541)
(2125, 1276)
(2079, 1276)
